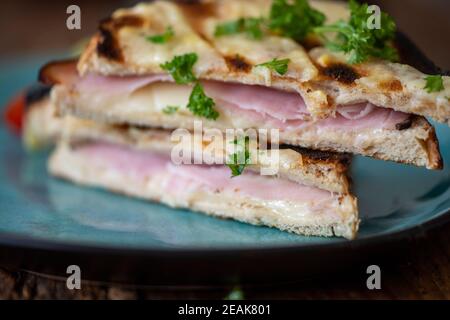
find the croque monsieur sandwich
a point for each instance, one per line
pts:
(243, 65)
(309, 195)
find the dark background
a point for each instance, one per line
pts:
(27, 26)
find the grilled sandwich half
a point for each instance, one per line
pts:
(374, 109)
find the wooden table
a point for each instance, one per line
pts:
(423, 273)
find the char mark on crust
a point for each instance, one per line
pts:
(391, 85)
(344, 158)
(108, 46)
(196, 12)
(405, 124)
(340, 72)
(238, 64)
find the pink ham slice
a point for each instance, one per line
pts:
(143, 164)
(277, 104)
(275, 108)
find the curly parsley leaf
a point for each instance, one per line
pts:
(162, 38)
(251, 26)
(356, 39)
(295, 19)
(180, 67)
(240, 158)
(279, 66)
(434, 84)
(200, 104)
(170, 109)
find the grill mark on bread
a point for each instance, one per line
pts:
(344, 158)
(196, 12)
(391, 85)
(108, 45)
(238, 64)
(340, 72)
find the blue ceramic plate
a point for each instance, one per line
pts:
(36, 208)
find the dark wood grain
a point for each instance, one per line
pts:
(422, 273)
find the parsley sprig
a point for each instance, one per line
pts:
(434, 83)
(279, 66)
(356, 39)
(180, 67)
(250, 26)
(162, 38)
(200, 104)
(294, 20)
(241, 157)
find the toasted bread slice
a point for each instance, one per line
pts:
(120, 48)
(390, 85)
(250, 198)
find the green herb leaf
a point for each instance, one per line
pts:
(162, 38)
(180, 67)
(434, 84)
(250, 26)
(279, 66)
(202, 105)
(295, 19)
(240, 158)
(170, 109)
(356, 39)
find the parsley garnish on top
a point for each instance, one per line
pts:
(434, 83)
(180, 67)
(279, 66)
(355, 38)
(250, 26)
(200, 104)
(162, 38)
(294, 20)
(240, 158)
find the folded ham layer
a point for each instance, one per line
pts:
(250, 198)
(259, 105)
(182, 178)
